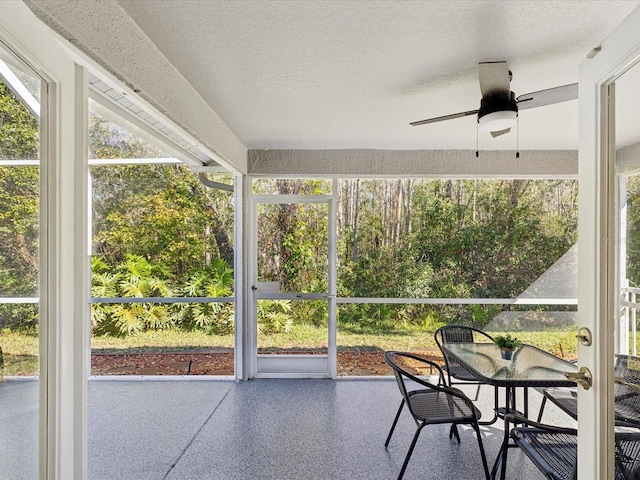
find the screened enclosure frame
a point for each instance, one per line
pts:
(65, 295)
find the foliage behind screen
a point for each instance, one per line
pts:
(396, 238)
(451, 239)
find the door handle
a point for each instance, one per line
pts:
(582, 377)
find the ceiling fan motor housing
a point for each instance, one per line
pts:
(497, 111)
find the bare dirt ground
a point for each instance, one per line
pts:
(351, 362)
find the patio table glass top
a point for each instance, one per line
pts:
(529, 366)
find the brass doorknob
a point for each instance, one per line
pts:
(582, 377)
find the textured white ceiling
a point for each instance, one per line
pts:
(353, 74)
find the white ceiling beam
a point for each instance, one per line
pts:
(123, 118)
(101, 35)
(414, 163)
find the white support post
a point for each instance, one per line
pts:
(81, 271)
(333, 260)
(241, 288)
(64, 300)
(622, 329)
(632, 298)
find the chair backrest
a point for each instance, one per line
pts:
(457, 334)
(460, 334)
(457, 405)
(627, 455)
(394, 360)
(554, 449)
(628, 367)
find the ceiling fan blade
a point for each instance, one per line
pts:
(497, 133)
(548, 96)
(444, 117)
(494, 77)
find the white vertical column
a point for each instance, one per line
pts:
(622, 328)
(332, 310)
(63, 253)
(64, 289)
(241, 288)
(251, 260)
(82, 271)
(64, 259)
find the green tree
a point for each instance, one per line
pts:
(465, 238)
(161, 212)
(633, 230)
(19, 207)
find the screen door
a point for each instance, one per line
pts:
(294, 286)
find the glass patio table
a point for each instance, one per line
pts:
(529, 367)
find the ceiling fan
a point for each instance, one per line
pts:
(499, 106)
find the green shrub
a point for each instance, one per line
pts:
(274, 316)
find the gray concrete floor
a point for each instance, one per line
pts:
(261, 429)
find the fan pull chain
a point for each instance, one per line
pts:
(518, 136)
(477, 153)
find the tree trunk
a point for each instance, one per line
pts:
(356, 215)
(225, 249)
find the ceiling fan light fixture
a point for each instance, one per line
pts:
(499, 106)
(497, 121)
(498, 112)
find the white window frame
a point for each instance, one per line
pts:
(64, 307)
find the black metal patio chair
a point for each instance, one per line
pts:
(626, 392)
(460, 334)
(626, 388)
(554, 450)
(431, 404)
(563, 395)
(566, 398)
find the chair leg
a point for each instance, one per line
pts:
(395, 421)
(475, 398)
(483, 455)
(411, 447)
(453, 432)
(504, 451)
(542, 405)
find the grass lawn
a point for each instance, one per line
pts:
(20, 351)
(562, 343)
(161, 340)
